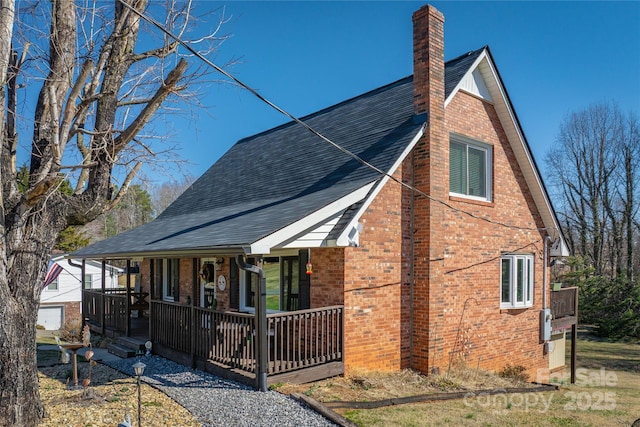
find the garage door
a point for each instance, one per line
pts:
(50, 318)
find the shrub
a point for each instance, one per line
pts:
(515, 372)
(71, 330)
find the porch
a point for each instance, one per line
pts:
(303, 346)
(564, 312)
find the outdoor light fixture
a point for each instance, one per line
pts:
(138, 368)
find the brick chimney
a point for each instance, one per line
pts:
(428, 60)
(430, 175)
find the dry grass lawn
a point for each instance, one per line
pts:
(606, 393)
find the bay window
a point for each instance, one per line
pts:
(516, 286)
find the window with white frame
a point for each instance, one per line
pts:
(88, 281)
(53, 286)
(170, 278)
(282, 284)
(516, 286)
(469, 168)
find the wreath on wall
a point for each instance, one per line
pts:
(207, 272)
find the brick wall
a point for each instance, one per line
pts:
(71, 311)
(374, 284)
(186, 280)
(456, 312)
(466, 304)
(328, 277)
(451, 312)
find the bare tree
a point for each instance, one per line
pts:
(594, 166)
(99, 90)
(164, 194)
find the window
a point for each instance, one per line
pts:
(167, 275)
(88, 281)
(516, 286)
(469, 168)
(53, 286)
(282, 277)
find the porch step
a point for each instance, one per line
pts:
(131, 343)
(121, 351)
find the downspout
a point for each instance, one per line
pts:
(545, 313)
(545, 256)
(261, 323)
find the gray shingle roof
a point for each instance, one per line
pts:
(270, 180)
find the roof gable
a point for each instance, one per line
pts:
(482, 79)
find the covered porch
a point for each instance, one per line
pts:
(564, 311)
(304, 345)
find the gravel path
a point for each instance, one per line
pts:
(220, 402)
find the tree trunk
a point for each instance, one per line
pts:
(19, 396)
(29, 244)
(31, 218)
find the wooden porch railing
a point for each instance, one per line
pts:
(564, 302)
(93, 305)
(171, 325)
(110, 305)
(297, 339)
(115, 311)
(225, 338)
(300, 339)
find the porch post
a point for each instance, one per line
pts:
(192, 309)
(127, 302)
(152, 290)
(261, 324)
(83, 300)
(574, 333)
(574, 339)
(104, 300)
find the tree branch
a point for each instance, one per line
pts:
(161, 52)
(125, 185)
(169, 86)
(71, 108)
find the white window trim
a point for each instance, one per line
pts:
(488, 149)
(55, 282)
(243, 289)
(528, 290)
(165, 280)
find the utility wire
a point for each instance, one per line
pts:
(315, 132)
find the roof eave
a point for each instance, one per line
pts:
(178, 253)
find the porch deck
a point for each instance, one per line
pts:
(303, 345)
(564, 311)
(564, 308)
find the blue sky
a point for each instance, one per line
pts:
(554, 57)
